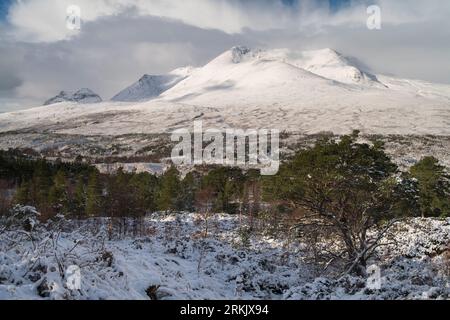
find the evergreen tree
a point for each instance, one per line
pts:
(189, 187)
(344, 184)
(169, 191)
(58, 198)
(121, 200)
(41, 186)
(433, 187)
(144, 187)
(23, 194)
(94, 195)
(227, 185)
(79, 197)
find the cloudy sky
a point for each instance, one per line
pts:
(120, 40)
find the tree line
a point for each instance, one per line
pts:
(80, 190)
(333, 175)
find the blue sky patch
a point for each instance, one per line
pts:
(4, 7)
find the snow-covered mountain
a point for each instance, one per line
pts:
(151, 86)
(292, 78)
(327, 63)
(244, 76)
(307, 92)
(81, 96)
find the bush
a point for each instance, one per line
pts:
(21, 217)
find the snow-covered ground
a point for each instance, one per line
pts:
(173, 259)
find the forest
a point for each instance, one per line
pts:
(340, 187)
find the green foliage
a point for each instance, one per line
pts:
(344, 174)
(119, 199)
(15, 166)
(79, 197)
(23, 194)
(189, 186)
(226, 185)
(130, 194)
(41, 184)
(341, 179)
(346, 184)
(94, 199)
(170, 189)
(245, 234)
(144, 187)
(58, 198)
(433, 185)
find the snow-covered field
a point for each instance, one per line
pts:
(173, 259)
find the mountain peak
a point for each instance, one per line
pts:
(83, 95)
(238, 53)
(333, 65)
(326, 63)
(244, 67)
(145, 77)
(151, 86)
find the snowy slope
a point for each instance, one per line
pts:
(417, 87)
(173, 256)
(151, 86)
(288, 78)
(81, 96)
(307, 92)
(327, 63)
(248, 76)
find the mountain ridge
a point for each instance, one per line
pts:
(83, 95)
(245, 88)
(151, 86)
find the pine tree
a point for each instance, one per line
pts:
(120, 198)
(227, 185)
(58, 198)
(345, 185)
(41, 186)
(94, 195)
(23, 194)
(79, 197)
(433, 187)
(186, 198)
(170, 188)
(143, 187)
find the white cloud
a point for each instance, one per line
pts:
(44, 20)
(122, 39)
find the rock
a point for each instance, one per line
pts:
(44, 288)
(108, 258)
(80, 96)
(152, 292)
